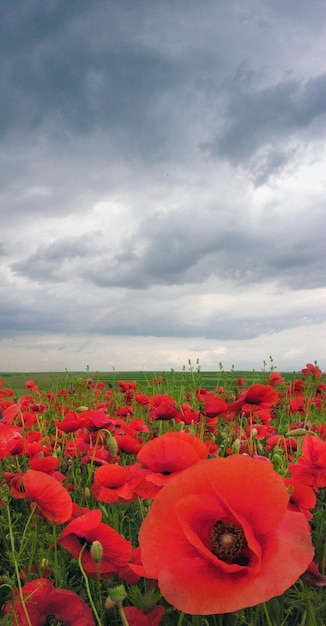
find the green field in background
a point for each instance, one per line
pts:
(209, 380)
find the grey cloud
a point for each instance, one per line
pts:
(190, 249)
(77, 74)
(48, 263)
(164, 321)
(267, 116)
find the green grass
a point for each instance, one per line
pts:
(209, 380)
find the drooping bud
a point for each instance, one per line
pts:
(112, 445)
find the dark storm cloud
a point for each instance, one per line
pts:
(75, 69)
(74, 72)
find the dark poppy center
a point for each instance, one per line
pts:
(52, 620)
(229, 543)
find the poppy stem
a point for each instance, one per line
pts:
(97, 617)
(122, 614)
(180, 620)
(13, 550)
(267, 615)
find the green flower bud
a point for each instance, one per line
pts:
(97, 551)
(112, 445)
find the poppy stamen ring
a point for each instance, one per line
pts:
(229, 543)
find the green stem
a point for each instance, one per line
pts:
(313, 621)
(19, 585)
(267, 615)
(180, 620)
(97, 617)
(122, 614)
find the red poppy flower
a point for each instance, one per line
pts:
(125, 386)
(9, 413)
(219, 537)
(212, 406)
(53, 500)
(47, 605)
(166, 455)
(11, 440)
(163, 408)
(312, 370)
(48, 465)
(86, 529)
(302, 497)
(127, 444)
(113, 483)
(311, 466)
(257, 396)
(71, 422)
(136, 617)
(275, 378)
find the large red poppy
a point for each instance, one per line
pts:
(219, 537)
(53, 500)
(47, 605)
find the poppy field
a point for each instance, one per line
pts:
(164, 502)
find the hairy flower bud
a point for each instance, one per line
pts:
(97, 551)
(112, 445)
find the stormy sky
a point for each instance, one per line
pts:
(163, 184)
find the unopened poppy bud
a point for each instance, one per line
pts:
(44, 563)
(297, 432)
(236, 446)
(112, 445)
(87, 493)
(277, 459)
(97, 551)
(81, 409)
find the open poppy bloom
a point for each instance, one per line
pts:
(256, 397)
(80, 534)
(219, 537)
(47, 605)
(53, 500)
(11, 440)
(113, 483)
(166, 455)
(311, 466)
